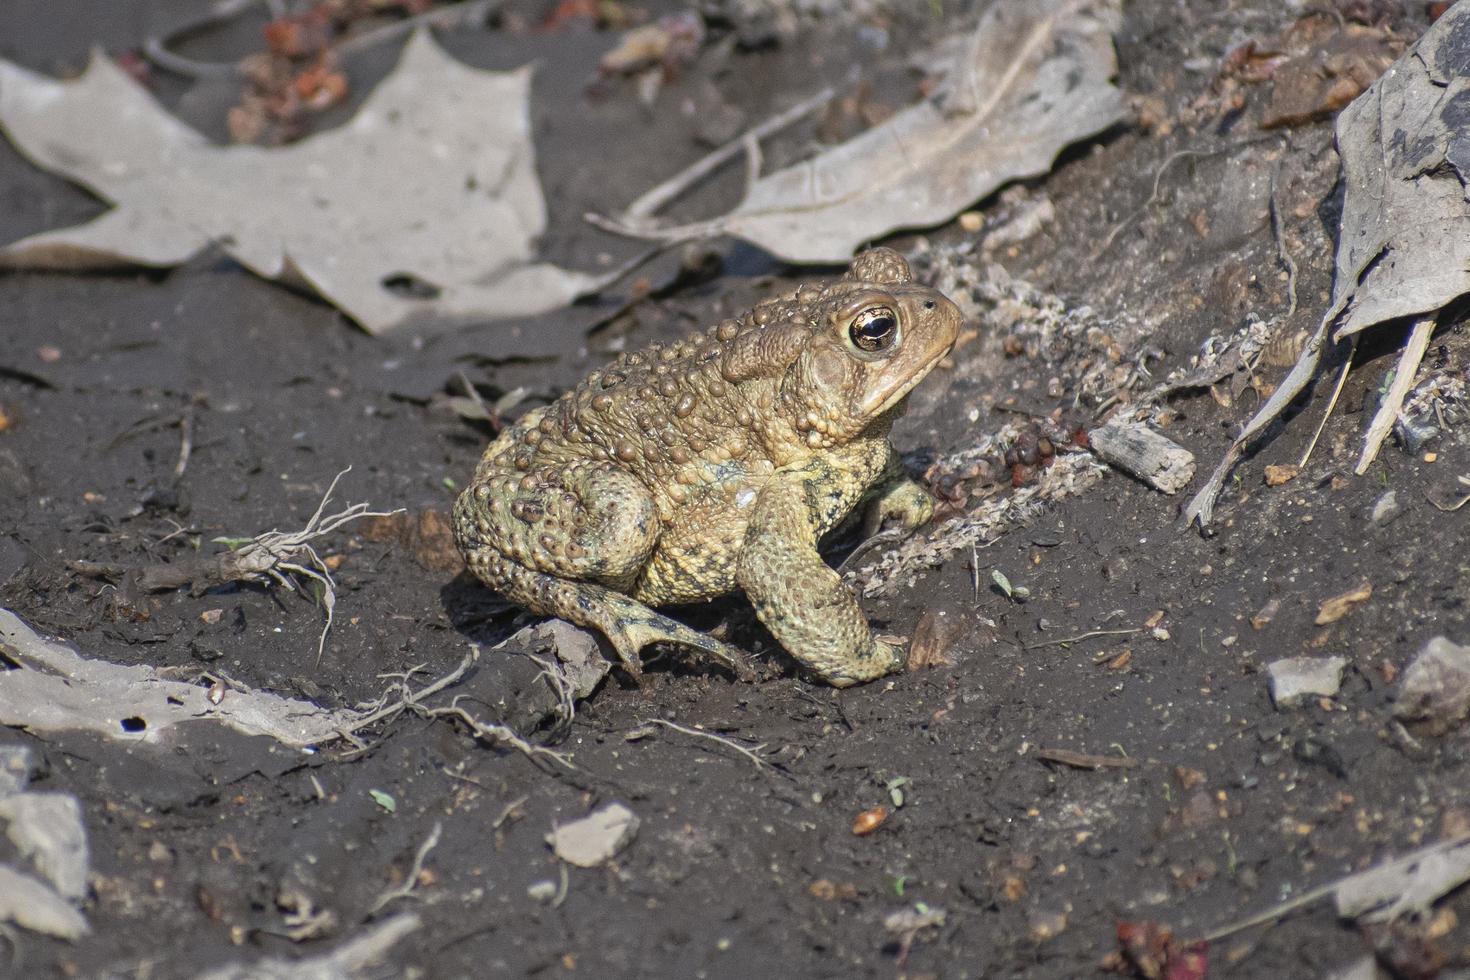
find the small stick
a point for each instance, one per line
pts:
(650, 202)
(411, 699)
(472, 14)
(1085, 636)
(1273, 913)
(497, 734)
(1347, 365)
(406, 889)
(155, 49)
(1281, 251)
(759, 762)
(1084, 760)
(506, 811)
(1403, 380)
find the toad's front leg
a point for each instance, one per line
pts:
(896, 500)
(796, 595)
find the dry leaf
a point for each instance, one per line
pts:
(425, 205)
(1404, 236)
(1410, 884)
(935, 632)
(1032, 79)
(1338, 606)
(56, 689)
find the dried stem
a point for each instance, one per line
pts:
(411, 881)
(652, 201)
(729, 743)
(1393, 400)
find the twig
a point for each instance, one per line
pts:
(653, 200)
(753, 162)
(1393, 400)
(1084, 636)
(410, 698)
(561, 689)
(506, 811)
(1281, 251)
(155, 49)
(473, 13)
(406, 888)
(161, 57)
(1084, 760)
(1153, 196)
(1347, 366)
(564, 881)
(1355, 901)
(497, 734)
(730, 743)
(1273, 913)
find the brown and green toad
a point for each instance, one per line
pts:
(687, 471)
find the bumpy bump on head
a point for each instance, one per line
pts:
(880, 265)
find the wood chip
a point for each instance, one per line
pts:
(1338, 606)
(1276, 475)
(1141, 452)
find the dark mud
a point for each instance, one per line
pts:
(202, 850)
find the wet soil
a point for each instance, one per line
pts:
(203, 848)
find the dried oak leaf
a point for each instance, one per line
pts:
(433, 182)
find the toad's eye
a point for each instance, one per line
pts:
(874, 329)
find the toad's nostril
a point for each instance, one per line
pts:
(928, 304)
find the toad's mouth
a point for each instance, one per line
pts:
(885, 398)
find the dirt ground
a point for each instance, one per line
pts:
(213, 848)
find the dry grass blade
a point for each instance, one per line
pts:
(497, 734)
(1393, 399)
(750, 754)
(410, 882)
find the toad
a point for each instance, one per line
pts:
(690, 470)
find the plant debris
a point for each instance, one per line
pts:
(1150, 950)
(32, 904)
(53, 688)
(354, 959)
(361, 214)
(1340, 605)
(1143, 453)
(1404, 886)
(1404, 163)
(1033, 78)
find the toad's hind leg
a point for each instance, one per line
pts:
(628, 624)
(567, 543)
